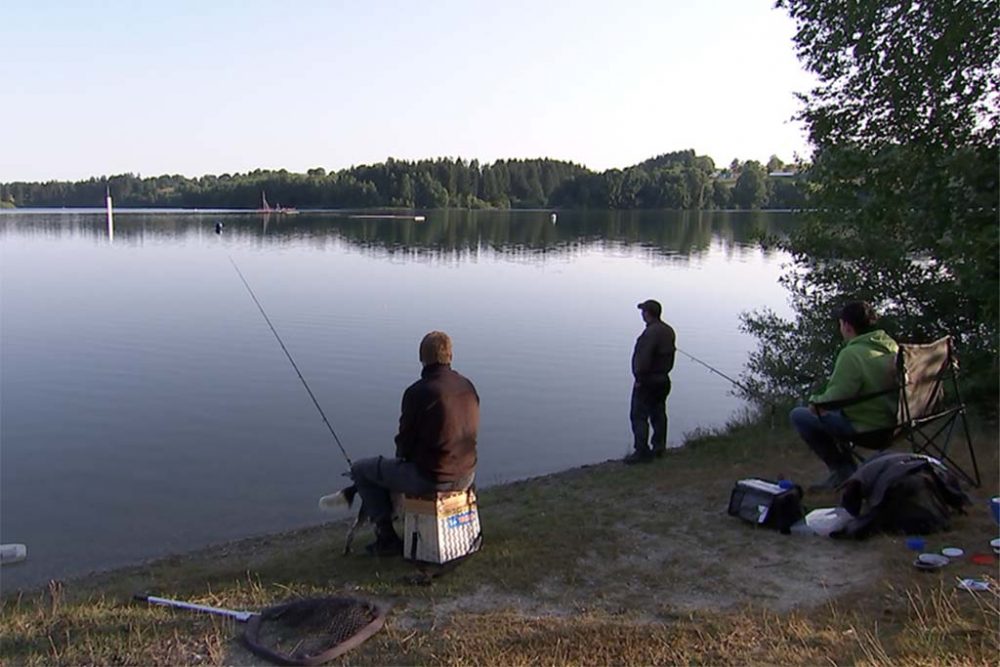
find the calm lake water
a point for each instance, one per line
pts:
(147, 409)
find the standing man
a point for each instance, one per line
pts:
(864, 369)
(652, 361)
(435, 446)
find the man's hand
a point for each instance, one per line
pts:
(819, 412)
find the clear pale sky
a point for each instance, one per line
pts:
(216, 86)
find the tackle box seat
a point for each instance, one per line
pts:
(441, 527)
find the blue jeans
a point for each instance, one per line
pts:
(378, 476)
(826, 435)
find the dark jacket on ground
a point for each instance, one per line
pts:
(653, 357)
(901, 491)
(439, 423)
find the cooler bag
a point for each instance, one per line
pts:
(765, 503)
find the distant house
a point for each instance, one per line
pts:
(783, 174)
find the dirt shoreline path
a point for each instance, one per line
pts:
(653, 539)
(674, 550)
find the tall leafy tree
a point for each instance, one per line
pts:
(750, 190)
(904, 125)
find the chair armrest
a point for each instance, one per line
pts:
(854, 400)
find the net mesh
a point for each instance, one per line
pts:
(314, 630)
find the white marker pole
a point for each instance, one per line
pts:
(111, 219)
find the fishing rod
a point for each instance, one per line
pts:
(294, 365)
(734, 382)
(715, 370)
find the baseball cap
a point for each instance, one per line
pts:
(652, 306)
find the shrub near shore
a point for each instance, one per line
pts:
(604, 564)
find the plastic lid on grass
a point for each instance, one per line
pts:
(936, 560)
(973, 585)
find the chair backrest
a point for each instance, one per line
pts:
(921, 370)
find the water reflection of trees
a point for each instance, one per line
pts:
(446, 234)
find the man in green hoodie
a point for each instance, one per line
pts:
(865, 366)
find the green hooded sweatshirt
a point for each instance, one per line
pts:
(865, 365)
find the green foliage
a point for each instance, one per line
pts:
(783, 192)
(722, 194)
(750, 190)
(679, 180)
(903, 208)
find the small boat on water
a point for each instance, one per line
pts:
(277, 208)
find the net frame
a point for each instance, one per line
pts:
(258, 624)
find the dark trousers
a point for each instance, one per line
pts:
(649, 407)
(378, 476)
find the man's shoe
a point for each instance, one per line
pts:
(639, 456)
(387, 542)
(660, 452)
(385, 546)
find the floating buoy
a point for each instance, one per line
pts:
(12, 553)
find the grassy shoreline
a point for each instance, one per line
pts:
(603, 564)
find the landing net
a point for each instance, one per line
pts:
(313, 631)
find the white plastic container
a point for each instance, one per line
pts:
(828, 520)
(12, 553)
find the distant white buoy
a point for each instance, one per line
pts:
(12, 553)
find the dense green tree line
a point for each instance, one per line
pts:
(679, 180)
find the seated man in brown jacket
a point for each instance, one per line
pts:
(435, 446)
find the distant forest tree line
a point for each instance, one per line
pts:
(678, 180)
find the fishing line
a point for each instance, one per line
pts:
(294, 365)
(738, 384)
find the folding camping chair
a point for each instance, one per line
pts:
(930, 407)
(930, 403)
